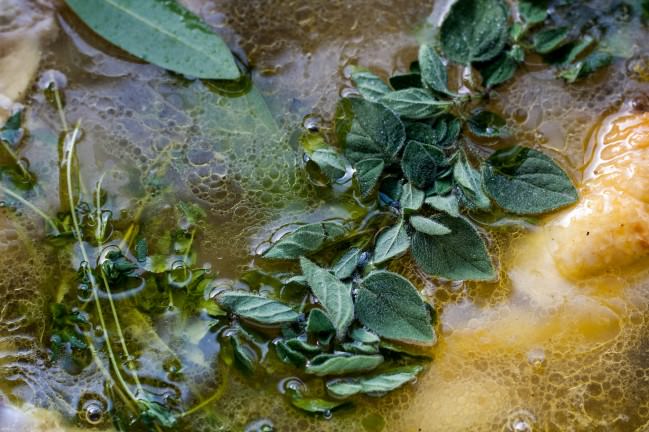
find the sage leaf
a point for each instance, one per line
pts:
(374, 385)
(420, 163)
(243, 354)
(256, 308)
(470, 182)
(548, 40)
(289, 355)
(346, 264)
(525, 181)
(365, 336)
(448, 130)
(411, 198)
(330, 162)
(391, 307)
(460, 255)
(487, 124)
(375, 133)
(360, 348)
(391, 243)
(368, 173)
(318, 322)
(447, 204)
(303, 347)
(370, 86)
(404, 81)
(428, 226)
(162, 33)
(533, 11)
(499, 70)
(315, 405)
(334, 295)
(342, 364)
(474, 30)
(433, 70)
(585, 67)
(414, 103)
(305, 240)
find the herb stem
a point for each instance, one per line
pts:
(214, 397)
(32, 207)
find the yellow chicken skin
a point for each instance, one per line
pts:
(498, 367)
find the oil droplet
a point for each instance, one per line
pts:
(536, 358)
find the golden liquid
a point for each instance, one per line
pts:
(533, 352)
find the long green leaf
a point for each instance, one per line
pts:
(162, 33)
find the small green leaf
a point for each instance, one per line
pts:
(428, 226)
(460, 255)
(243, 354)
(370, 86)
(12, 131)
(330, 162)
(162, 33)
(152, 412)
(404, 81)
(360, 348)
(499, 70)
(288, 355)
(368, 173)
(373, 385)
(487, 124)
(365, 336)
(376, 132)
(474, 30)
(447, 204)
(411, 198)
(577, 49)
(256, 308)
(334, 295)
(346, 264)
(303, 347)
(448, 130)
(390, 306)
(318, 322)
(316, 406)
(470, 182)
(420, 163)
(525, 181)
(414, 103)
(587, 66)
(391, 243)
(342, 364)
(433, 70)
(548, 40)
(305, 240)
(533, 11)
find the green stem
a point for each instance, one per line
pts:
(32, 207)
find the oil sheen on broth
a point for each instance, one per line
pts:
(559, 344)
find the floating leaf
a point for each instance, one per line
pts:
(256, 308)
(548, 40)
(460, 255)
(590, 64)
(346, 264)
(289, 355)
(525, 181)
(533, 11)
(334, 295)
(368, 173)
(487, 124)
(391, 243)
(330, 162)
(376, 132)
(433, 70)
(374, 385)
(420, 163)
(342, 364)
(243, 354)
(162, 33)
(470, 182)
(447, 204)
(411, 198)
(305, 240)
(502, 68)
(365, 336)
(474, 30)
(428, 226)
(370, 86)
(390, 306)
(414, 103)
(315, 405)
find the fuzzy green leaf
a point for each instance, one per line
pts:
(548, 40)
(525, 181)
(315, 405)
(368, 173)
(447, 204)
(330, 162)
(391, 243)
(487, 124)
(370, 86)
(412, 198)
(474, 30)
(470, 182)
(587, 66)
(346, 264)
(162, 33)
(334, 295)
(460, 255)
(420, 163)
(390, 306)
(433, 70)
(533, 11)
(428, 226)
(342, 364)
(305, 240)
(376, 132)
(414, 103)
(373, 385)
(256, 308)
(319, 322)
